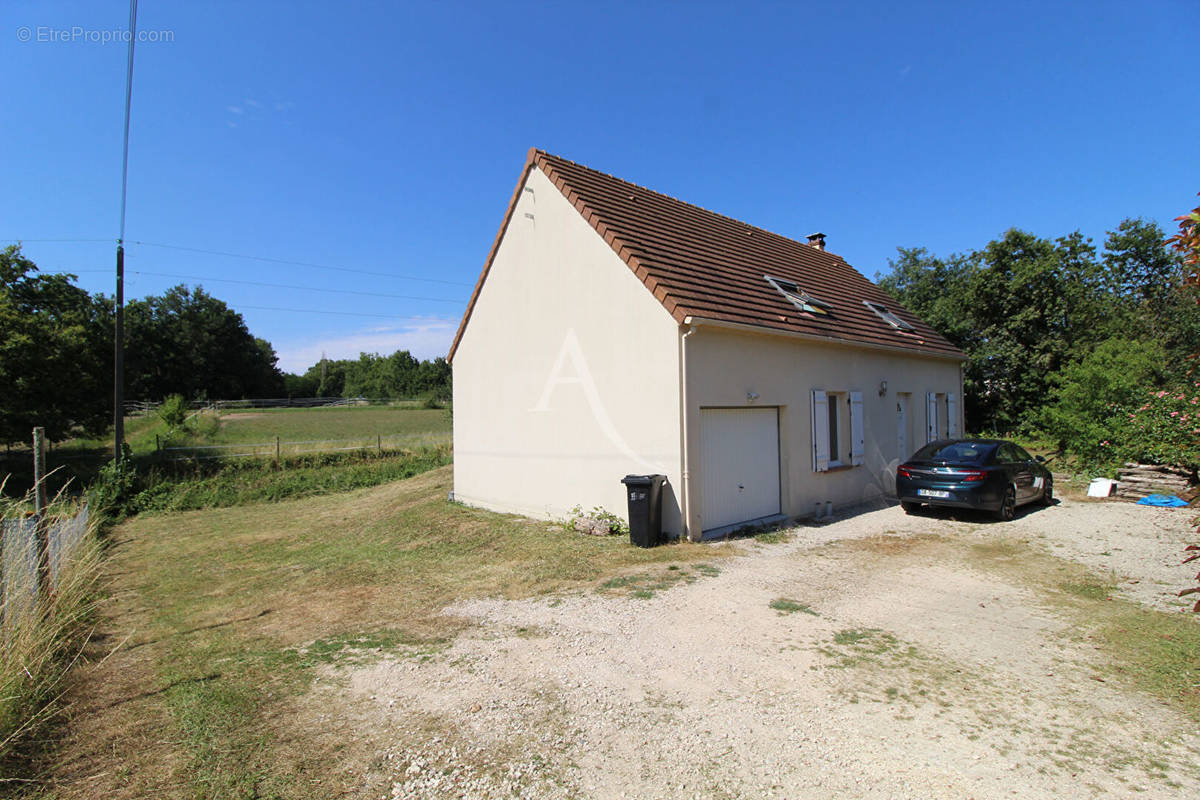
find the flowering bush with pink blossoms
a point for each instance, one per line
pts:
(1165, 429)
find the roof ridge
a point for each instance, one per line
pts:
(545, 154)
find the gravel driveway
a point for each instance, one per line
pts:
(876, 656)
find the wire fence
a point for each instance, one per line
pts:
(147, 407)
(279, 448)
(19, 558)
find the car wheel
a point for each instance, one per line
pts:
(909, 508)
(1008, 506)
(1048, 492)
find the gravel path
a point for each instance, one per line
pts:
(898, 670)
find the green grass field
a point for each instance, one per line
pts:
(307, 424)
(301, 430)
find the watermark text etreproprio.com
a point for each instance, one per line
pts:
(47, 34)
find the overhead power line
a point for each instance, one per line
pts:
(22, 239)
(227, 254)
(302, 288)
(301, 263)
(336, 313)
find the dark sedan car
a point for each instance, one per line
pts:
(986, 474)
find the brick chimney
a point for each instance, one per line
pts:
(816, 240)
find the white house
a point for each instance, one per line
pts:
(616, 330)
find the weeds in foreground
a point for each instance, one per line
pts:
(41, 641)
(644, 585)
(785, 606)
(1088, 589)
(187, 486)
(775, 536)
(599, 515)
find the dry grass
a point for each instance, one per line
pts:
(40, 645)
(232, 610)
(1149, 650)
(1152, 651)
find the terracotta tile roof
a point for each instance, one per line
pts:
(704, 265)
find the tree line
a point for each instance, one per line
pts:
(1063, 338)
(56, 355)
(374, 376)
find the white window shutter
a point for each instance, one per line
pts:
(952, 415)
(857, 443)
(931, 417)
(820, 428)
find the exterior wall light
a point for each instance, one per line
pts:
(882, 388)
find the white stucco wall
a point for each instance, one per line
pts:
(724, 366)
(567, 376)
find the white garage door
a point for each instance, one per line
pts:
(739, 452)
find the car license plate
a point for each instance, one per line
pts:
(933, 493)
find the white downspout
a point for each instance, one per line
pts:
(685, 473)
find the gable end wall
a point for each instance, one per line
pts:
(566, 377)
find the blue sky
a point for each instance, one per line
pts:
(387, 137)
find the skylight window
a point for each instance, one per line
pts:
(798, 297)
(888, 317)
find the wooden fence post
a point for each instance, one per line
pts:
(378, 443)
(277, 450)
(41, 530)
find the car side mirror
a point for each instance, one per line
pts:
(1039, 459)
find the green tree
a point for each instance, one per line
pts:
(933, 288)
(1020, 309)
(55, 353)
(1032, 304)
(399, 375)
(1091, 396)
(188, 342)
(1146, 282)
(434, 376)
(305, 385)
(332, 378)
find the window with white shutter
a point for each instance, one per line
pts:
(857, 442)
(931, 414)
(820, 430)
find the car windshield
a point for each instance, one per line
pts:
(956, 452)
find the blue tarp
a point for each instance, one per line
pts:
(1168, 500)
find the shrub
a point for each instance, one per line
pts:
(204, 426)
(435, 398)
(115, 488)
(1164, 429)
(173, 411)
(1083, 416)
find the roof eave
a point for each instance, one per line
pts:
(487, 265)
(742, 327)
